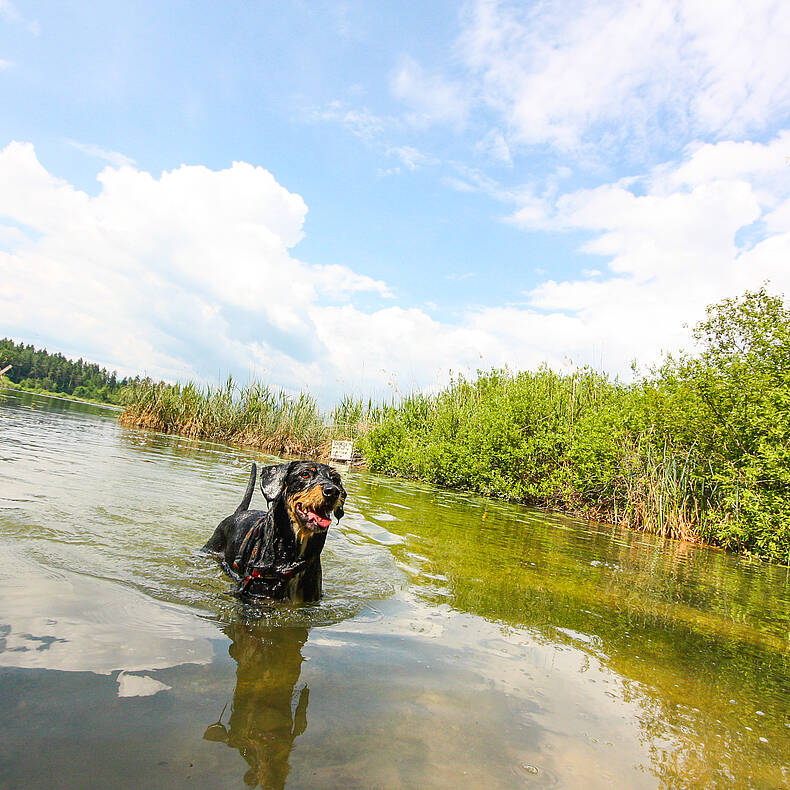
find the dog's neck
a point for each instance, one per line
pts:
(297, 541)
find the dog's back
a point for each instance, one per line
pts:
(221, 540)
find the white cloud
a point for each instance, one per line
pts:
(373, 129)
(430, 97)
(470, 179)
(191, 274)
(361, 123)
(612, 71)
(495, 145)
(412, 158)
(9, 11)
(5, 65)
(113, 157)
(670, 244)
(340, 281)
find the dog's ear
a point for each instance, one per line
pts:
(273, 480)
(339, 511)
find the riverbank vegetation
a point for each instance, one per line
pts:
(254, 416)
(698, 449)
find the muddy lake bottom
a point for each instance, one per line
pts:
(460, 642)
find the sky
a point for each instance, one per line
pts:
(366, 198)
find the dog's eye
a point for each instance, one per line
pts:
(304, 475)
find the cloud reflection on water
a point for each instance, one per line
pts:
(59, 620)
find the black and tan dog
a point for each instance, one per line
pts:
(276, 553)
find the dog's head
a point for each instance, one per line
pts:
(312, 493)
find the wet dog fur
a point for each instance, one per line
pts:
(285, 562)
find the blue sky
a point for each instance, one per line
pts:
(416, 188)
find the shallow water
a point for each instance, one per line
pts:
(460, 642)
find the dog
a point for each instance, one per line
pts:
(276, 553)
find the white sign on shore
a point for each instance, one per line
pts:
(341, 451)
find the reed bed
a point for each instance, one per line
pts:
(257, 415)
(656, 491)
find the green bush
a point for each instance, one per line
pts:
(697, 449)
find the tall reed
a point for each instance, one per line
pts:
(257, 416)
(657, 492)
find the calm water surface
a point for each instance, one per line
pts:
(460, 642)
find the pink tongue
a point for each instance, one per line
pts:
(315, 518)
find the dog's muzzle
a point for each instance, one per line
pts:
(313, 509)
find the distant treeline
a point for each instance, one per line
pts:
(39, 371)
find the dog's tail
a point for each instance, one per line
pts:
(245, 503)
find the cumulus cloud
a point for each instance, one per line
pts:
(672, 243)
(405, 349)
(571, 72)
(188, 274)
(192, 274)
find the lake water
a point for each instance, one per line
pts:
(461, 642)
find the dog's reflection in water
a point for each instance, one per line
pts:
(268, 711)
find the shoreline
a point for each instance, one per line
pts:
(319, 451)
(269, 446)
(62, 396)
(361, 465)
